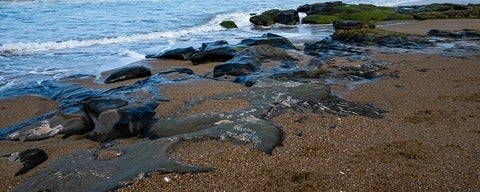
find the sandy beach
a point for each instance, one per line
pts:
(427, 141)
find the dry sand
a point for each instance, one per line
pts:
(428, 140)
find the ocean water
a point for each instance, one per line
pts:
(48, 39)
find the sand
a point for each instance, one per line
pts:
(428, 140)
(423, 27)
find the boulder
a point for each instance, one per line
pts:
(271, 39)
(270, 17)
(264, 19)
(130, 72)
(218, 51)
(287, 17)
(124, 122)
(327, 8)
(228, 24)
(179, 54)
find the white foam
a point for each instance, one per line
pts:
(213, 25)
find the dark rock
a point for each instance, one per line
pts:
(30, 159)
(81, 171)
(228, 24)
(342, 107)
(60, 123)
(234, 69)
(287, 17)
(303, 8)
(443, 7)
(327, 8)
(179, 54)
(371, 36)
(178, 70)
(325, 47)
(470, 33)
(101, 104)
(173, 126)
(218, 51)
(349, 25)
(130, 72)
(250, 60)
(465, 14)
(271, 39)
(124, 122)
(265, 19)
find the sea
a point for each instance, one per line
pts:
(49, 39)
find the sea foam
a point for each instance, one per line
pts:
(211, 26)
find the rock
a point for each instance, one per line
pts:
(287, 17)
(264, 19)
(323, 13)
(30, 159)
(124, 122)
(82, 171)
(271, 39)
(349, 25)
(319, 19)
(436, 7)
(464, 14)
(270, 17)
(175, 126)
(234, 69)
(218, 51)
(60, 123)
(130, 72)
(179, 54)
(228, 24)
(455, 33)
(250, 60)
(327, 8)
(101, 104)
(264, 135)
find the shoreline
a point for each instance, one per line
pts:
(422, 131)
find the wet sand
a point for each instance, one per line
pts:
(428, 140)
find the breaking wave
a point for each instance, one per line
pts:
(212, 25)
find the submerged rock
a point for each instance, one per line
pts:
(228, 24)
(130, 72)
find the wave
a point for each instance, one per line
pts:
(211, 26)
